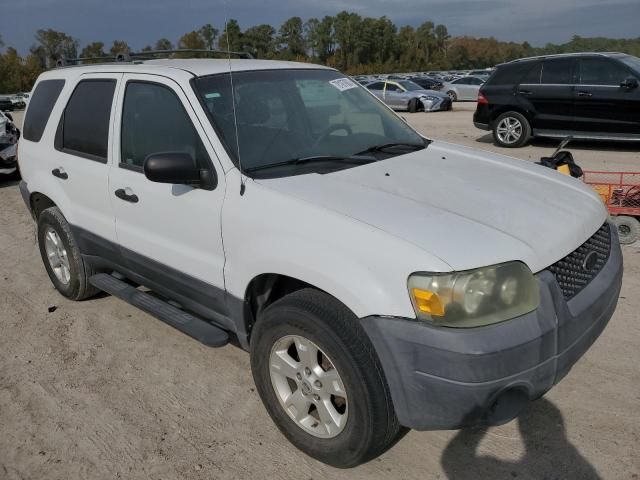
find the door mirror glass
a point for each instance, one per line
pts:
(629, 83)
(172, 167)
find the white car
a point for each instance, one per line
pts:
(465, 88)
(380, 280)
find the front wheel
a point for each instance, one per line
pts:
(452, 95)
(511, 130)
(321, 381)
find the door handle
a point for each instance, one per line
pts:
(60, 173)
(126, 195)
(582, 93)
(525, 92)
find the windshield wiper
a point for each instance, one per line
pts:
(382, 148)
(313, 159)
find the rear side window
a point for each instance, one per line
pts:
(509, 74)
(39, 111)
(155, 121)
(600, 71)
(532, 77)
(376, 86)
(84, 127)
(557, 72)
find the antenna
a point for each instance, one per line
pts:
(235, 115)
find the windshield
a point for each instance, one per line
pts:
(633, 62)
(410, 86)
(284, 115)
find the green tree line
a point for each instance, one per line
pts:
(347, 41)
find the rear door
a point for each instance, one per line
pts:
(547, 90)
(602, 105)
(79, 163)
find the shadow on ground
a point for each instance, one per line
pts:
(548, 453)
(552, 143)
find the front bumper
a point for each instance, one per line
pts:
(443, 378)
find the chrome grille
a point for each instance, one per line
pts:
(572, 272)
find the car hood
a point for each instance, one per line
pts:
(468, 208)
(432, 93)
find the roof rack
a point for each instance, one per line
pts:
(567, 54)
(132, 57)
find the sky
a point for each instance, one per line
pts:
(142, 22)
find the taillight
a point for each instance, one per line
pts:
(482, 100)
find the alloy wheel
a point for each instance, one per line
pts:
(308, 386)
(509, 130)
(57, 256)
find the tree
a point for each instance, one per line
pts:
(291, 38)
(94, 49)
(164, 44)
(209, 34)
(259, 41)
(231, 38)
(119, 46)
(325, 37)
(52, 45)
(311, 38)
(192, 41)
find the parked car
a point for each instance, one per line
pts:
(380, 280)
(464, 88)
(19, 102)
(6, 105)
(404, 95)
(9, 136)
(427, 83)
(586, 95)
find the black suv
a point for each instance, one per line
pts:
(586, 95)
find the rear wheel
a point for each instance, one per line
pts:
(452, 95)
(511, 130)
(628, 229)
(68, 271)
(321, 381)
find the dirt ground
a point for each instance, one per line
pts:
(99, 390)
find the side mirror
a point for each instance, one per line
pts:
(177, 168)
(629, 83)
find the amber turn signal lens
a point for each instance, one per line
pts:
(428, 302)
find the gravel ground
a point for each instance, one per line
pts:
(97, 389)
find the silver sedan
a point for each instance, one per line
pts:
(465, 88)
(408, 96)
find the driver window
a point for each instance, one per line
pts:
(154, 121)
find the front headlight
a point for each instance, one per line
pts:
(474, 298)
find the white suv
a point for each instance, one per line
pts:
(380, 280)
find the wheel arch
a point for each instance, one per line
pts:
(510, 108)
(38, 202)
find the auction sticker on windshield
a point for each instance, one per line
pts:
(343, 84)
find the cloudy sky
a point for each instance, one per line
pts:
(140, 22)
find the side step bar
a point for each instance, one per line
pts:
(197, 328)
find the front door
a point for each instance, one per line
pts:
(169, 234)
(602, 105)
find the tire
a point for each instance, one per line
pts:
(628, 229)
(414, 105)
(511, 130)
(371, 425)
(72, 277)
(452, 95)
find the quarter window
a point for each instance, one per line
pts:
(557, 72)
(599, 71)
(155, 121)
(84, 127)
(44, 98)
